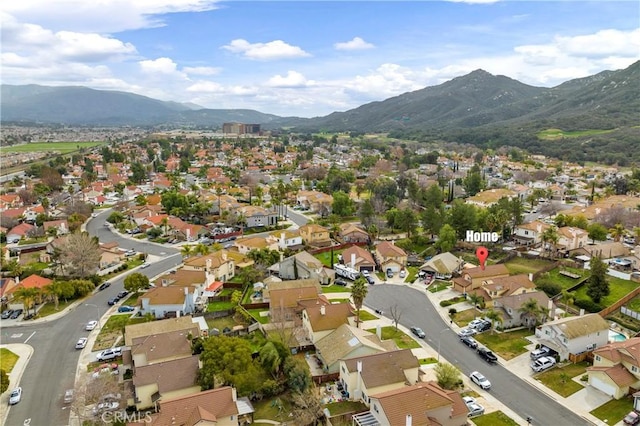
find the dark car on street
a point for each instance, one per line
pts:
(469, 341)
(487, 355)
(418, 332)
(16, 314)
(113, 301)
(104, 285)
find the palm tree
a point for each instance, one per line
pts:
(165, 223)
(358, 293)
(52, 291)
(186, 250)
(617, 231)
(549, 238)
(476, 300)
(27, 295)
(530, 311)
(494, 317)
(567, 298)
(201, 249)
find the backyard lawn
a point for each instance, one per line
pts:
(7, 360)
(618, 287)
(325, 257)
(221, 305)
(508, 344)
(559, 379)
(255, 313)
(497, 418)
(564, 281)
(521, 265)
(402, 340)
(613, 411)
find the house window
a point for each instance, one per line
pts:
(598, 358)
(375, 408)
(344, 370)
(634, 369)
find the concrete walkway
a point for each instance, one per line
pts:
(24, 353)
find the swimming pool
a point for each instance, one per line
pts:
(614, 336)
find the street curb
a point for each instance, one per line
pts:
(16, 374)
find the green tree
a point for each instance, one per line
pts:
(473, 183)
(495, 317)
(447, 238)
(27, 296)
(406, 221)
(297, 372)
(4, 381)
(597, 286)
(342, 205)
(448, 376)
(549, 239)
(531, 311)
(462, 217)
(366, 213)
(115, 218)
(135, 282)
(476, 300)
(272, 357)
(597, 232)
(618, 231)
(358, 293)
(138, 172)
(433, 219)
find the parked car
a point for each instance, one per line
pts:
(6, 313)
(104, 285)
(29, 316)
(632, 418)
(69, 396)
(418, 332)
(389, 273)
(16, 314)
(91, 325)
(145, 265)
(540, 352)
(480, 380)
(126, 308)
(475, 409)
(15, 396)
(106, 406)
(484, 326)
(469, 341)
(466, 332)
(487, 355)
(475, 323)
(113, 301)
(122, 294)
(403, 273)
(469, 400)
(543, 363)
(340, 281)
(81, 343)
(106, 355)
(370, 279)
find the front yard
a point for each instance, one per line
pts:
(508, 345)
(558, 379)
(7, 360)
(113, 329)
(497, 418)
(402, 340)
(613, 411)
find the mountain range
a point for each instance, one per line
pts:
(478, 108)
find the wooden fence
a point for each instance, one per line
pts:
(606, 311)
(336, 247)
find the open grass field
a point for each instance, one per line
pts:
(325, 257)
(61, 147)
(7, 360)
(402, 340)
(508, 345)
(520, 265)
(555, 134)
(613, 411)
(564, 281)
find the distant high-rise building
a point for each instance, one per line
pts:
(241, 129)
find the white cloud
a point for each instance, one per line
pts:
(206, 87)
(272, 50)
(356, 44)
(104, 16)
(292, 79)
(201, 70)
(603, 43)
(160, 65)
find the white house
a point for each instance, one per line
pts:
(288, 239)
(530, 233)
(570, 238)
(164, 302)
(574, 335)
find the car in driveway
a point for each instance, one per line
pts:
(474, 323)
(632, 418)
(106, 406)
(15, 396)
(370, 279)
(483, 326)
(469, 341)
(540, 352)
(126, 308)
(418, 332)
(340, 281)
(91, 325)
(81, 343)
(107, 355)
(16, 314)
(543, 363)
(6, 313)
(487, 355)
(480, 380)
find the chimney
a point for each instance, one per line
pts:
(353, 260)
(581, 312)
(224, 256)
(322, 310)
(530, 276)
(208, 263)
(408, 420)
(234, 394)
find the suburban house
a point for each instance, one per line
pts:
(134, 331)
(220, 407)
(530, 234)
(424, 403)
(320, 320)
(256, 216)
(374, 374)
(110, 255)
(390, 256)
(195, 280)
(301, 266)
(218, 266)
(288, 239)
(351, 233)
(287, 299)
(164, 302)
(616, 368)
(473, 278)
(490, 197)
(498, 287)
(245, 245)
(570, 238)
(314, 200)
(315, 235)
(574, 335)
(160, 347)
(510, 308)
(61, 226)
(32, 281)
(6, 287)
(21, 231)
(359, 259)
(347, 341)
(443, 265)
(603, 249)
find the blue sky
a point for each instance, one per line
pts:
(307, 58)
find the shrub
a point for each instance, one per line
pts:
(584, 378)
(550, 288)
(588, 305)
(452, 312)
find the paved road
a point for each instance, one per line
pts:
(516, 394)
(53, 365)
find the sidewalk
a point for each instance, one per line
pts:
(24, 353)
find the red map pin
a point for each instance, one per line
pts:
(482, 253)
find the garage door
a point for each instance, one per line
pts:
(603, 386)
